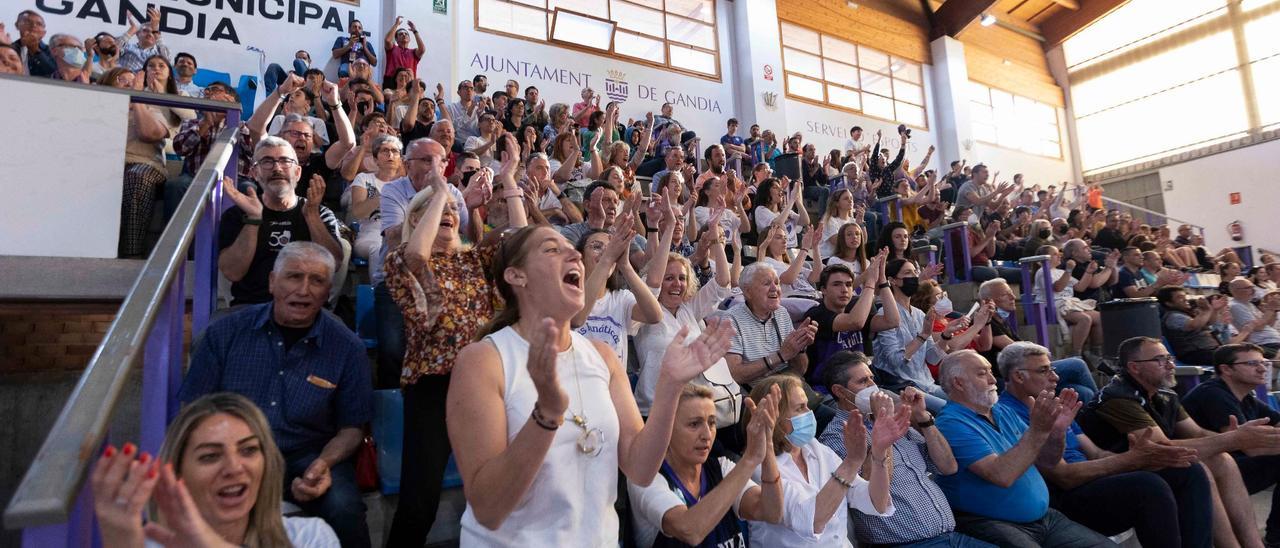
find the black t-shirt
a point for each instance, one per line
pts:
(1109, 238)
(334, 184)
(277, 230)
(1212, 402)
(291, 335)
(1078, 273)
(827, 342)
(998, 327)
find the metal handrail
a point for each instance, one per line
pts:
(51, 484)
(1114, 201)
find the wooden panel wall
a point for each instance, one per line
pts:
(1027, 73)
(874, 28)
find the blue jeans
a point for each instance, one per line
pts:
(1053, 530)
(390, 338)
(945, 540)
(1074, 373)
(341, 506)
(276, 75)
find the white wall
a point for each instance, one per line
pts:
(66, 203)
(1202, 189)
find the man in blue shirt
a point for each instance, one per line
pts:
(997, 495)
(309, 375)
(1097, 488)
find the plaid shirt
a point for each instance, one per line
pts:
(193, 148)
(923, 511)
(308, 392)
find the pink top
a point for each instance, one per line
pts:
(398, 57)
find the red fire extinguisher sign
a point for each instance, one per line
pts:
(1235, 198)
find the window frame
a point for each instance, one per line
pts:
(990, 103)
(853, 86)
(667, 43)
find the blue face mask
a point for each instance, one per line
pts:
(1004, 314)
(803, 428)
(73, 56)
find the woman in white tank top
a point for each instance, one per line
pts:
(537, 442)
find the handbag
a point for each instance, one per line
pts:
(367, 465)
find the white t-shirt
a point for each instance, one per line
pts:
(476, 142)
(317, 127)
(728, 221)
(651, 345)
(854, 266)
(370, 182)
(610, 321)
(801, 285)
(832, 227)
(1058, 296)
(649, 504)
(765, 217)
(302, 533)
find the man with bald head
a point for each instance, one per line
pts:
(1249, 318)
(998, 496)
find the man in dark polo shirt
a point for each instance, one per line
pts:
(1227, 401)
(1141, 398)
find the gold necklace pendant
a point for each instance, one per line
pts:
(580, 420)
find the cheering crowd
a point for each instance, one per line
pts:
(569, 297)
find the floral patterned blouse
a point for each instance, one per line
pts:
(444, 306)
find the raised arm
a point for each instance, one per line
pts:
(346, 135)
(262, 115)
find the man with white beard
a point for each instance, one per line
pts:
(996, 494)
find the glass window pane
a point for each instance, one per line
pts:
(984, 132)
(880, 107)
(843, 97)
(907, 71)
(876, 83)
(1159, 72)
(798, 61)
(873, 59)
(585, 31)
(840, 73)
(910, 93)
(655, 4)
(595, 8)
(512, 18)
(1266, 83)
(1118, 31)
(835, 48)
(1261, 36)
(692, 59)
(640, 47)
(804, 87)
(799, 38)
(909, 114)
(1050, 148)
(690, 32)
(702, 10)
(979, 93)
(980, 113)
(633, 17)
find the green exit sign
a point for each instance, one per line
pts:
(440, 6)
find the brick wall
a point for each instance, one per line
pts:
(54, 337)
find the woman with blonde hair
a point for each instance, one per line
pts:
(840, 211)
(218, 479)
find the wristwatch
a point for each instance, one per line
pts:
(947, 336)
(882, 285)
(925, 423)
(255, 221)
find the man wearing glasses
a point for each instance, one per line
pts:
(253, 233)
(1229, 397)
(1097, 488)
(1140, 399)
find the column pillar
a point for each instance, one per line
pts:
(951, 100)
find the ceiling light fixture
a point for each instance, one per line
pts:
(987, 20)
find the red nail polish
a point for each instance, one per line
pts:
(128, 449)
(153, 472)
(144, 458)
(109, 452)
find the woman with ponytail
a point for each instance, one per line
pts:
(541, 418)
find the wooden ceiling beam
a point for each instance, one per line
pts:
(1069, 4)
(954, 15)
(1066, 23)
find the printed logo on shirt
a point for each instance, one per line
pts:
(279, 239)
(603, 328)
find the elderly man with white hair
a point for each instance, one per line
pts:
(997, 494)
(766, 343)
(70, 57)
(308, 373)
(1071, 372)
(1098, 488)
(253, 232)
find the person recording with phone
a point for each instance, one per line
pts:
(354, 46)
(1195, 327)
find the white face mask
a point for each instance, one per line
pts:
(862, 400)
(944, 306)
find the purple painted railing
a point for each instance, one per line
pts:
(890, 208)
(52, 504)
(955, 252)
(1040, 315)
